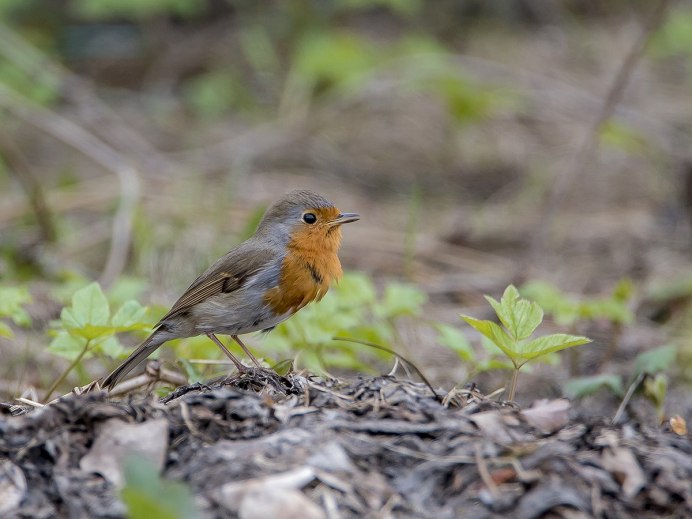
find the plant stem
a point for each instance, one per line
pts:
(400, 357)
(513, 385)
(62, 377)
(626, 400)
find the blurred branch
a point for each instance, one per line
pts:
(19, 167)
(91, 111)
(242, 149)
(564, 179)
(98, 151)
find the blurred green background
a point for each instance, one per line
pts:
(141, 139)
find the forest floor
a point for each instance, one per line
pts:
(258, 446)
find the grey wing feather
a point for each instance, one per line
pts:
(226, 275)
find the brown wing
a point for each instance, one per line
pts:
(228, 274)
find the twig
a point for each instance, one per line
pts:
(484, 473)
(147, 378)
(628, 396)
(28, 402)
(98, 151)
(91, 111)
(564, 179)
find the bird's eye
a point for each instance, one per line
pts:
(309, 218)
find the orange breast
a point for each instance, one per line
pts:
(310, 266)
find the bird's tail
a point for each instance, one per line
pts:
(145, 349)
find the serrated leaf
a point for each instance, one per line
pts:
(455, 340)
(89, 307)
(110, 346)
(90, 331)
(520, 316)
(548, 344)
(130, 316)
(584, 386)
(495, 333)
(5, 330)
(67, 346)
(656, 360)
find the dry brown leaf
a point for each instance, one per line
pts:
(492, 426)
(118, 439)
(679, 425)
(12, 487)
(277, 495)
(623, 465)
(265, 501)
(548, 415)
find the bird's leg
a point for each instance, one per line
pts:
(248, 352)
(233, 358)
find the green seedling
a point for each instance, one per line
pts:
(88, 328)
(584, 386)
(649, 369)
(519, 319)
(490, 359)
(12, 301)
(351, 310)
(655, 389)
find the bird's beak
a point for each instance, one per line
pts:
(344, 218)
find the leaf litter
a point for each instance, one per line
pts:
(311, 447)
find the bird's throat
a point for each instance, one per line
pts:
(306, 273)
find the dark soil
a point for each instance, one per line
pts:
(364, 447)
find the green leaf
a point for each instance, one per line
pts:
(656, 360)
(455, 340)
(655, 388)
(354, 288)
(548, 344)
(88, 316)
(519, 316)
(564, 310)
(400, 300)
(67, 346)
(5, 330)
(136, 9)
(88, 331)
(334, 60)
(89, 307)
(147, 495)
(283, 367)
(130, 316)
(495, 333)
(674, 38)
(12, 300)
(584, 386)
(109, 346)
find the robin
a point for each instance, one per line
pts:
(289, 262)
